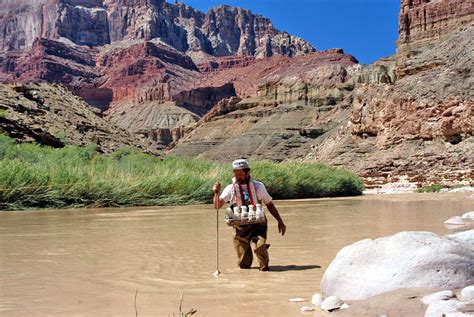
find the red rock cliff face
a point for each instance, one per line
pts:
(424, 23)
(426, 20)
(250, 76)
(236, 31)
(52, 61)
(127, 53)
(146, 71)
(82, 22)
(422, 123)
(407, 116)
(434, 45)
(223, 31)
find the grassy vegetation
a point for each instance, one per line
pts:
(3, 113)
(32, 176)
(61, 135)
(436, 188)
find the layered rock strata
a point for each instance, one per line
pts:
(222, 31)
(404, 117)
(227, 83)
(123, 54)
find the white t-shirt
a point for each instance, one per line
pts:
(262, 193)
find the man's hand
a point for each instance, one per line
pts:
(216, 188)
(218, 202)
(281, 228)
(274, 211)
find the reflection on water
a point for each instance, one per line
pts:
(90, 262)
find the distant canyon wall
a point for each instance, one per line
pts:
(222, 31)
(408, 116)
(226, 83)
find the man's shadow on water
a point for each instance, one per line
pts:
(286, 268)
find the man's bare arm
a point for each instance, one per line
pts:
(274, 211)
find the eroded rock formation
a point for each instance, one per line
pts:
(403, 117)
(222, 31)
(227, 83)
(124, 54)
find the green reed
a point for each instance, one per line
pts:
(34, 176)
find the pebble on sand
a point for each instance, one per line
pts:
(317, 299)
(307, 308)
(455, 221)
(297, 300)
(436, 297)
(332, 303)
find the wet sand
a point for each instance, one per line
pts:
(91, 262)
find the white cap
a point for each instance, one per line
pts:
(240, 164)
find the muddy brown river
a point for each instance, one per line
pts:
(91, 262)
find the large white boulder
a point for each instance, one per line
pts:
(404, 260)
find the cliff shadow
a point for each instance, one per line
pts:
(96, 97)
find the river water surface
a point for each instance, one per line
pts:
(91, 262)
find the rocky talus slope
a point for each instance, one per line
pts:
(50, 115)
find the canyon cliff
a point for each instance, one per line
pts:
(408, 116)
(135, 59)
(226, 83)
(222, 31)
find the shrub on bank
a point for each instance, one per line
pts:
(436, 188)
(3, 113)
(33, 176)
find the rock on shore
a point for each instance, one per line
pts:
(404, 260)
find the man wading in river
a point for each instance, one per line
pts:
(251, 192)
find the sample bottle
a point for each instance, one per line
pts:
(251, 215)
(229, 213)
(236, 213)
(244, 213)
(259, 213)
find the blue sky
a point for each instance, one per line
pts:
(366, 29)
